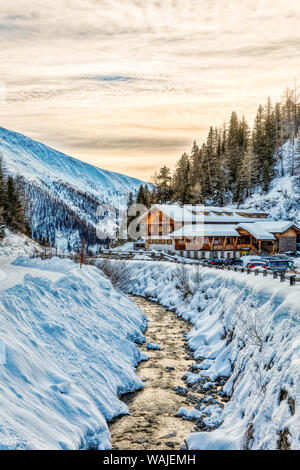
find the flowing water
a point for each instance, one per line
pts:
(152, 423)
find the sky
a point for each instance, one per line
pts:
(128, 85)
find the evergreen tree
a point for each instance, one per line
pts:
(2, 185)
(2, 199)
(163, 181)
(269, 145)
(181, 180)
(233, 159)
(297, 163)
(196, 175)
(13, 210)
(141, 199)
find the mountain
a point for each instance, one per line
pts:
(63, 193)
(282, 201)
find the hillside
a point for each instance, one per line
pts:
(282, 201)
(63, 192)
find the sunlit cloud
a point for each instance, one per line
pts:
(134, 79)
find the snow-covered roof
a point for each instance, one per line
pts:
(206, 230)
(257, 230)
(200, 213)
(235, 210)
(264, 229)
(278, 226)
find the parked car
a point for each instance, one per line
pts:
(233, 262)
(260, 265)
(216, 262)
(280, 256)
(293, 254)
(281, 265)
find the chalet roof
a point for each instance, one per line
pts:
(235, 210)
(278, 226)
(264, 229)
(257, 230)
(205, 230)
(206, 214)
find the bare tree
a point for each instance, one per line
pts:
(182, 274)
(115, 270)
(250, 324)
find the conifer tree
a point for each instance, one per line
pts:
(13, 210)
(270, 145)
(181, 180)
(233, 155)
(2, 199)
(163, 181)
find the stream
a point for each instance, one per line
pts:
(152, 423)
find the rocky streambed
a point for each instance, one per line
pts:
(153, 422)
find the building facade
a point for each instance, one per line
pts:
(204, 232)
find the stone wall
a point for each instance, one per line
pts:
(286, 244)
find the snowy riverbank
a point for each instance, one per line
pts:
(247, 329)
(67, 350)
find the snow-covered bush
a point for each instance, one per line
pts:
(116, 272)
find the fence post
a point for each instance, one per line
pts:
(275, 275)
(265, 273)
(248, 270)
(292, 280)
(256, 272)
(282, 277)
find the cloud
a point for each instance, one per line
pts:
(172, 67)
(109, 78)
(126, 143)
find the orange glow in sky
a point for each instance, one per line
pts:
(127, 85)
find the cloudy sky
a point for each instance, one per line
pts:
(129, 84)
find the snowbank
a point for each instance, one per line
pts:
(247, 330)
(67, 351)
(17, 245)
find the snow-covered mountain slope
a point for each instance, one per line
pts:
(64, 192)
(67, 352)
(283, 199)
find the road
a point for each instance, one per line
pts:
(13, 275)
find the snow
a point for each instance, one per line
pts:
(153, 346)
(188, 414)
(258, 230)
(206, 230)
(2, 352)
(18, 245)
(247, 329)
(200, 213)
(67, 351)
(63, 189)
(263, 230)
(39, 163)
(283, 199)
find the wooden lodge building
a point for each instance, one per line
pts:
(215, 232)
